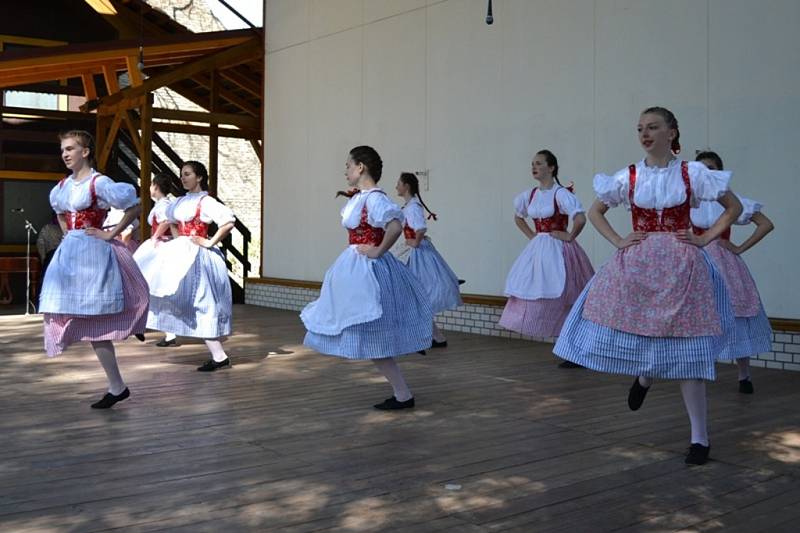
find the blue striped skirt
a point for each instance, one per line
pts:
(406, 325)
(608, 350)
(436, 276)
(202, 305)
(751, 336)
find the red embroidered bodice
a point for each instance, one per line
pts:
(408, 232)
(555, 222)
(91, 217)
(364, 233)
(194, 227)
(672, 219)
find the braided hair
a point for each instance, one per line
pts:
(411, 180)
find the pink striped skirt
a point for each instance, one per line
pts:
(61, 330)
(545, 317)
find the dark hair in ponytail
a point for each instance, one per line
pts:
(672, 123)
(200, 170)
(713, 156)
(166, 184)
(552, 161)
(411, 180)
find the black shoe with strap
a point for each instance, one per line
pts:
(163, 343)
(139, 336)
(697, 454)
(211, 365)
(437, 344)
(746, 386)
(569, 364)
(391, 404)
(109, 399)
(636, 395)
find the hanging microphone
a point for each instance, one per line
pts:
(489, 17)
(17, 209)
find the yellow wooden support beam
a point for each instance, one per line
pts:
(110, 139)
(24, 175)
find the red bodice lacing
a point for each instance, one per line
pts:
(364, 233)
(194, 227)
(672, 219)
(91, 217)
(555, 222)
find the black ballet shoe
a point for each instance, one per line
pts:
(437, 344)
(163, 343)
(636, 395)
(746, 386)
(140, 336)
(697, 454)
(211, 365)
(569, 364)
(422, 352)
(462, 281)
(391, 404)
(109, 399)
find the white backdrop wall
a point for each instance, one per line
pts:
(431, 86)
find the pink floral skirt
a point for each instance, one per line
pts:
(741, 287)
(61, 330)
(661, 287)
(545, 317)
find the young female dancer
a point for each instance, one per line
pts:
(553, 269)
(646, 313)
(194, 300)
(163, 192)
(752, 334)
(370, 305)
(424, 260)
(93, 290)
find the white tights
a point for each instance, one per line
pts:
(389, 368)
(694, 398)
(216, 349)
(108, 359)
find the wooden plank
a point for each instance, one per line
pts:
(202, 130)
(145, 158)
(215, 117)
(287, 440)
(134, 74)
(110, 138)
(243, 81)
(30, 175)
(258, 149)
(89, 89)
(110, 77)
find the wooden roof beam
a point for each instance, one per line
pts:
(230, 57)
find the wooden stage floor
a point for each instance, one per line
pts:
(287, 440)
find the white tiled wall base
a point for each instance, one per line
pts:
(482, 320)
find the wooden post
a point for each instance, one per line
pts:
(213, 139)
(145, 159)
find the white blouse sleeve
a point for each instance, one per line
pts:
(381, 210)
(707, 185)
(415, 216)
(521, 202)
(55, 197)
(612, 190)
(750, 207)
(212, 210)
(118, 195)
(568, 203)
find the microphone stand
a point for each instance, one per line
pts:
(29, 304)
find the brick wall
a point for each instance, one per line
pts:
(482, 320)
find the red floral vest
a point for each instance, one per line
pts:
(364, 233)
(555, 222)
(92, 216)
(672, 219)
(194, 227)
